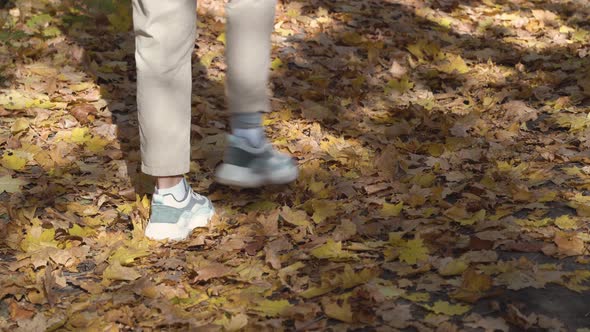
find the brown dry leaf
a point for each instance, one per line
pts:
(315, 111)
(569, 244)
(340, 310)
(270, 223)
(522, 321)
(211, 271)
(345, 231)
(473, 286)
(84, 113)
(397, 70)
(19, 313)
(38, 323)
(518, 111)
(295, 217)
(273, 249)
(487, 324)
(397, 316)
(117, 272)
(52, 281)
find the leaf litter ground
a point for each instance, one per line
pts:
(443, 148)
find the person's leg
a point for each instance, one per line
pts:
(165, 34)
(249, 28)
(250, 161)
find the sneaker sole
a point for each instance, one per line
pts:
(171, 232)
(232, 175)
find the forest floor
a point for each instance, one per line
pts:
(443, 147)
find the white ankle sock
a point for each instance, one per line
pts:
(254, 136)
(178, 191)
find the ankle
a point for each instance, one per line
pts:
(179, 191)
(166, 182)
(254, 136)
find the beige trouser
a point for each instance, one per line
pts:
(165, 38)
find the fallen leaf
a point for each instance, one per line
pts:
(391, 210)
(341, 312)
(11, 185)
(413, 251)
(568, 244)
(446, 308)
(451, 267)
(14, 162)
(331, 250)
(117, 272)
(19, 125)
(211, 271)
(84, 113)
(272, 308)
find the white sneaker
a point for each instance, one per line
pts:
(175, 220)
(249, 167)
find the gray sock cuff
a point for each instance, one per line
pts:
(246, 120)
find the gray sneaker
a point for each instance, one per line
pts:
(175, 220)
(249, 167)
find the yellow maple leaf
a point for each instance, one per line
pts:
(121, 19)
(127, 256)
(221, 38)
(312, 292)
(96, 144)
(446, 308)
(272, 308)
(331, 250)
(79, 135)
(323, 209)
(401, 85)
(581, 204)
(81, 86)
(126, 208)
(261, 206)
(533, 223)
(454, 63)
(391, 210)
(116, 271)
(37, 238)
(396, 239)
(77, 230)
(14, 162)
(416, 50)
(276, 64)
(15, 100)
(417, 297)
(580, 35)
(349, 278)
(413, 251)
(453, 267)
(424, 180)
(566, 222)
(207, 58)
